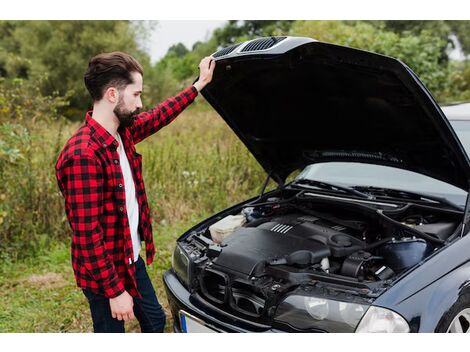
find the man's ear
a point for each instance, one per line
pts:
(112, 95)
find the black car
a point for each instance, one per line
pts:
(371, 236)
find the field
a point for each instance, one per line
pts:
(192, 168)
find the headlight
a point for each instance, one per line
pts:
(181, 264)
(307, 312)
(379, 319)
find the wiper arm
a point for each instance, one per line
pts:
(333, 187)
(406, 195)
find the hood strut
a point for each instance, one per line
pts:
(265, 184)
(466, 215)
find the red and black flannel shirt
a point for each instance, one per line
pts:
(91, 181)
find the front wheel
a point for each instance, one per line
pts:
(457, 318)
(461, 322)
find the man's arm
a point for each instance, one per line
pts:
(147, 123)
(83, 180)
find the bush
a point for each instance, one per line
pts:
(30, 209)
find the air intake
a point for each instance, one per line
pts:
(262, 43)
(226, 51)
(214, 285)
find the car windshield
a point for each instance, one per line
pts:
(360, 174)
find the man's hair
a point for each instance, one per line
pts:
(110, 70)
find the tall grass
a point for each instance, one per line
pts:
(195, 167)
(192, 168)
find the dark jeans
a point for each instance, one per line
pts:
(147, 310)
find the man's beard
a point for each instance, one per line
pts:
(125, 117)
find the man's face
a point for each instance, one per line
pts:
(129, 103)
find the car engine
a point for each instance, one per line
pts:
(296, 238)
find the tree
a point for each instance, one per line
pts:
(55, 54)
(235, 31)
(442, 29)
(178, 49)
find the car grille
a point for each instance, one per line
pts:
(262, 44)
(234, 296)
(226, 51)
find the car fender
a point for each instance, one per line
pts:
(441, 295)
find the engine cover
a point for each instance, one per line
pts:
(247, 247)
(278, 237)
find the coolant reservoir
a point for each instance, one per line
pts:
(226, 227)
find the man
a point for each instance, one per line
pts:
(100, 176)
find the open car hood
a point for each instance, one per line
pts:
(295, 101)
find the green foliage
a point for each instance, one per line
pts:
(441, 29)
(178, 49)
(208, 166)
(30, 128)
(55, 54)
(458, 82)
(236, 31)
(175, 71)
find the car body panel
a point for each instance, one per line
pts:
(422, 295)
(318, 102)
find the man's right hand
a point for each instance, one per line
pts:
(122, 307)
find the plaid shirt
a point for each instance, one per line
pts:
(91, 181)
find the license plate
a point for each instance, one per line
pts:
(190, 324)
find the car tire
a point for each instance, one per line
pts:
(457, 318)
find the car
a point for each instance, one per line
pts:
(370, 236)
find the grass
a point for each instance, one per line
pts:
(40, 295)
(192, 168)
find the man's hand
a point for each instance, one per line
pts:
(122, 307)
(206, 69)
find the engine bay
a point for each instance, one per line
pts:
(295, 238)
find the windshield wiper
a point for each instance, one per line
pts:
(401, 195)
(332, 187)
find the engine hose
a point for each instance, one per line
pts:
(378, 243)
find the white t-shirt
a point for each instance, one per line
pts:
(132, 205)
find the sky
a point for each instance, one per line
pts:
(167, 33)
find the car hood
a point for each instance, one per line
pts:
(296, 101)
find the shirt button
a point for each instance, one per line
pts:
(120, 185)
(121, 209)
(105, 145)
(116, 161)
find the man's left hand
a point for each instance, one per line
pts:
(206, 69)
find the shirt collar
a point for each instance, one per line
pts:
(103, 137)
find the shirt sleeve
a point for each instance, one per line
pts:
(147, 123)
(84, 199)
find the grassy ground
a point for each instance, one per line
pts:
(192, 168)
(40, 295)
